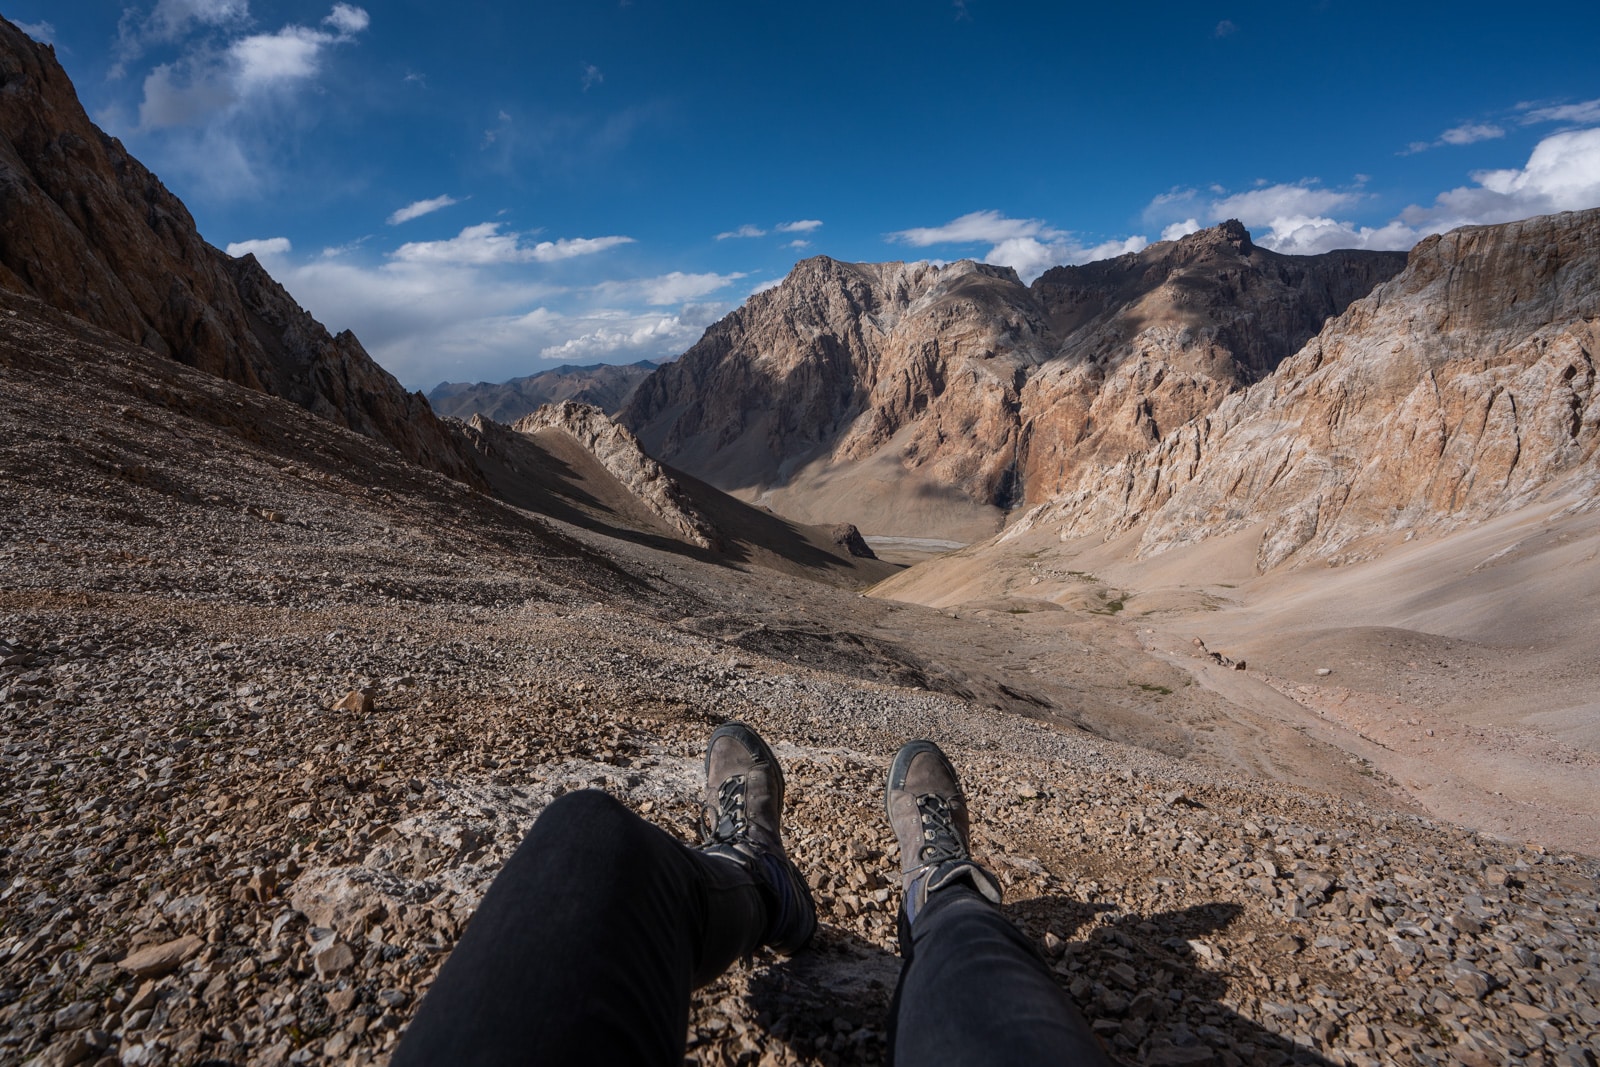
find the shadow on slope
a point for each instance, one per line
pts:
(833, 1001)
(552, 473)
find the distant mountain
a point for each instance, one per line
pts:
(932, 401)
(604, 385)
(87, 229)
(1462, 389)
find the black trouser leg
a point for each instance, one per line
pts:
(586, 946)
(974, 990)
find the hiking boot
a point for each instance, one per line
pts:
(929, 817)
(741, 821)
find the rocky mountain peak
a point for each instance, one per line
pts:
(88, 229)
(926, 400)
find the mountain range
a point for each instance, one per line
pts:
(1266, 652)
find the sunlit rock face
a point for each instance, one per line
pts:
(1460, 389)
(917, 399)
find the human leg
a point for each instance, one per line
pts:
(973, 989)
(587, 945)
(589, 941)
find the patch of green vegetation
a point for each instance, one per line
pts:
(1111, 608)
(1083, 576)
(1158, 689)
(1019, 611)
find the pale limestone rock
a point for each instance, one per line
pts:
(620, 453)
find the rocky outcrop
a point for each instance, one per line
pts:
(618, 451)
(1462, 388)
(604, 385)
(86, 228)
(928, 400)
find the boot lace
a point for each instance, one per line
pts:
(940, 838)
(729, 824)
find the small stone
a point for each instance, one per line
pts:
(360, 700)
(1323, 672)
(75, 1016)
(1495, 875)
(1531, 1012)
(341, 1000)
(143, 1000)
(334, 960)
(153, 961)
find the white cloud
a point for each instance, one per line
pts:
(212, 88)
(1562, 174)
(168, 22)
(1029, 246)
(592, 76)
(484, 244)
(747, 230)
(618, 335)
(798, 226)
(261, 248)
(974, 227)
(419, 208)
(348, 19)
(1581, 114)
(1472, 133)
(798, 243)
(673, 288)
(770, 283)
(43, 32)
(1225, 28)
(1277, 201)
(1180, 229)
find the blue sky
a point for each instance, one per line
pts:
(483, 190)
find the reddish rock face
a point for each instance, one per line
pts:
(86, 228)
(921, 400)
(1460, 389)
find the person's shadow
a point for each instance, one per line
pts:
(1150, 997)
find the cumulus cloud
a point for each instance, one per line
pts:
(619, 335)
(1029, 246)
(488, 304)
(747, 230)
(420, 208)
(484, 244)
(1180, 229)
(261, 248)
(1562, 174)
(798, 226)
(798, 243)
(43, 32)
